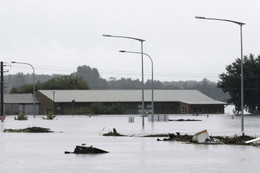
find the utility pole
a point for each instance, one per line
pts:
(72, 106)
(2, 91)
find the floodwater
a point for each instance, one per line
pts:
(44, 153)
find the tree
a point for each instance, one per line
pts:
(65, 82)
(231, 80)
(68, 82)
(91, 76)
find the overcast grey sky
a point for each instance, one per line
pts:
(57, 36)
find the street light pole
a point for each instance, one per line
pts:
(242, 69)
(141, 41)
(34, 109)
(124, 51)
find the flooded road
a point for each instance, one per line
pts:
(42, 153)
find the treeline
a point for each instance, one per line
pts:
(57, 83)
(18, 82)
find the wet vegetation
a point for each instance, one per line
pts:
(49, 116)
(21, 117)
(235, 140)
(232, 140)
(29, 130)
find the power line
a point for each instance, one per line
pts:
(119, 72)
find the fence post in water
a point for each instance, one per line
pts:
(131, 119)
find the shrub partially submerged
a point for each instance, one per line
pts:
(49, 116)
(29, 130)
(21, 116)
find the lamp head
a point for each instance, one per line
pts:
(13, 62)
(122, 51)
(200, 17)
(106, 35)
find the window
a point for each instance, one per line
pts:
(149, 105)
(200, 109)
(183, 110)
(195, 110)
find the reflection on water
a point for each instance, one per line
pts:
(41, 153)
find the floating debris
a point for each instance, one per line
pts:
(254, 141)
(236, 140)
(113, 133)
(184, 120)
(203, 138)
(156, 135)
(86, 150)
(29, 130)
(177, 137)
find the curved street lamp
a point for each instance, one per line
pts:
(242, 73)
(124, 51)
(34, 109)
(141, 41)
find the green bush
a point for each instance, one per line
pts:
(21, 116)
(49, 116)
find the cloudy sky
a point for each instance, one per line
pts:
(57, 36)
